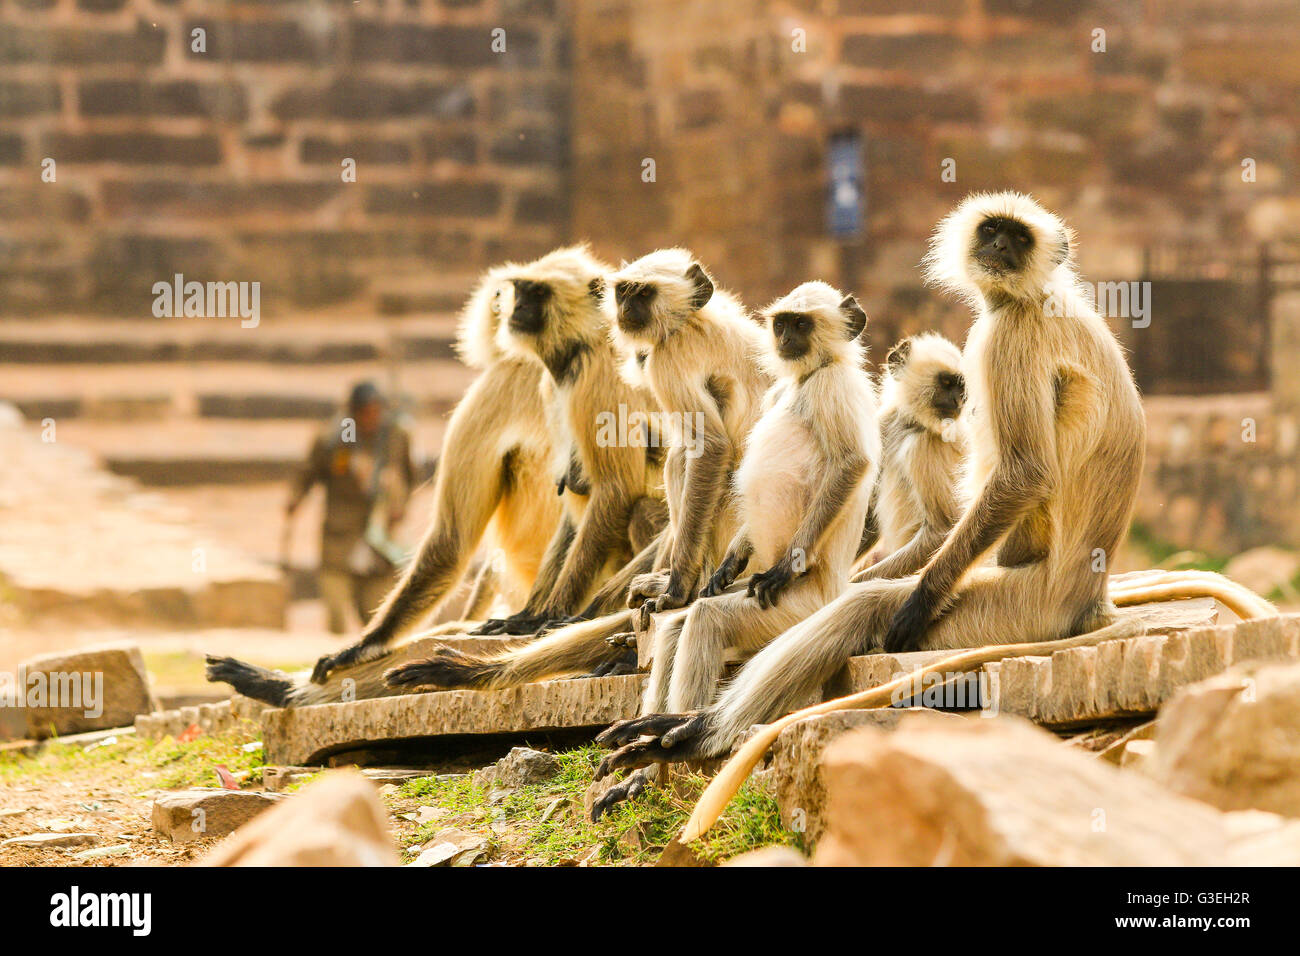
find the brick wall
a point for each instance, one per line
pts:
(227, 164)
(1139, 144)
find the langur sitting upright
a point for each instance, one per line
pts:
(702, 362)
(557, 318)
(924, 439)
(803, 487)
(1057, 446)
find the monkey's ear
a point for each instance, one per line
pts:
(596, 287)
(854, 318)
(897, 356)
(702, 290)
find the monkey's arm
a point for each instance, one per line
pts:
(603, 524)
(530, 617)
(835, 488)
(870, 528)
(736, 559)
(932, 482)
(702, 494)
(1021, 415)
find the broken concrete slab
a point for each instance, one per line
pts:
(1233, 741)
(795, 766)
(335, 821)
(1132, 677)
(307, 735)
(92, 688)
(1000, 792)
(194, 814)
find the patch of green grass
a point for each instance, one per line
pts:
(1160, 551)
(172, 764)
(632, 832)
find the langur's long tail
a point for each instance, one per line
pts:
(723, 787)
(1170, 585)
(570, 650)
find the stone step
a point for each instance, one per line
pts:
(216, 451)
(235, 390)
(283, 341)
(309, 735)
(1133, 677)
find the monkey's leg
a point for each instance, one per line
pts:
(573, 649)
(667, 630)
(649, 518)
(482, 594)
(730, 620)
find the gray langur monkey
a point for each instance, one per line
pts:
(803, 487)
(701, 356)
(1058, 438)
(616, 474)
(494, 487)
(924, 438)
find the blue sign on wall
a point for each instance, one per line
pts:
(845, 199)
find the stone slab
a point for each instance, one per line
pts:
(307, 735)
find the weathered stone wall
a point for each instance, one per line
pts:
(226, 164)
(736, 103)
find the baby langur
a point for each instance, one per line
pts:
(1057, 441)
(803, 486)
(557, 318)
(701, 356)
(924, 439)
(494, 487)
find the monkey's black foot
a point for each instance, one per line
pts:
(646, 587)
(909, 624)
(685, 741)
(767, 586)
(332, 662)
(516, 624)
(270, 687)
(622, 639)
(445, 668)
(623, 664)
(652, 725)
(558, 622)
(628, 789)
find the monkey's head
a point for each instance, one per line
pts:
(552, 306)
(654, 295)
(998, 245)
(814, 325)
(480, 319)
(923, 378)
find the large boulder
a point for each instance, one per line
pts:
(795, 769)
(92, 688)
(335, 821)
(999, 792)
(1234, 740)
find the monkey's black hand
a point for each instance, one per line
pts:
(332, 662)
(628, 789)
(623, 664)
(725, 576)
(910, 623)
(514, 624)
(559, 485)
(768, 585)
(558, 622)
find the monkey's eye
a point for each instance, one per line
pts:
(1021, 238)
(804, 324)
(644, 292)
(987, 229)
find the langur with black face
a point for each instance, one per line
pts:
(616, 480)
(1058, 438)
(924, 438)
(803, 488)
(701, 357)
